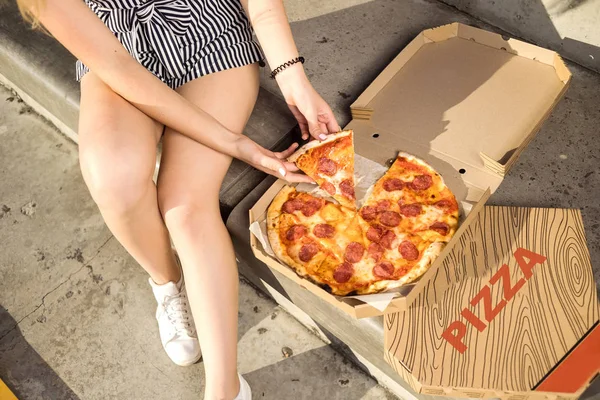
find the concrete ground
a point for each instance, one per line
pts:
(76, 312)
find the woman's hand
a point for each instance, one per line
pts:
(272, 28)
(268, 161)
(312, 112)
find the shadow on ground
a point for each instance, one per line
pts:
(23, 369)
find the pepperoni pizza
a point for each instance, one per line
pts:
(392, 240)
(331, 164)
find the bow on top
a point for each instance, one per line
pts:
(152, 22)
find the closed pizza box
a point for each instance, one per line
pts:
(464, 100)
(512, 312)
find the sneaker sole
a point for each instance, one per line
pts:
(192, 362)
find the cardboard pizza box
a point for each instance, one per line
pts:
(512, 312)
(466, 101)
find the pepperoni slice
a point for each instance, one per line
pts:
(390, 218)
(447, 205)
(354, 252)
(343, 272)
(347, 188)
(292, 205)
(374, 232)
(392, 184)
(369, 213)
(383, 205)
(408, 250)
(375, 251)
(410, 210)
(324, 231)
(327, 166)
(421, 182)
(307, 252)
(328, 187)
(440, 227)
(295, 232)
(311, 206)
(384, 270)
(387, 239)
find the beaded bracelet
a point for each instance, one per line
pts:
(285, 65)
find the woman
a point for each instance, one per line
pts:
(185, 69)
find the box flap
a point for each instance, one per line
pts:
(513, 296)
(578, 368)
(467, 94)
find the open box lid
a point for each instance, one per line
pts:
(509, 301)
(463, 95)
(464, 100)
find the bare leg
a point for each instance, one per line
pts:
(117, 152)
(188, 191)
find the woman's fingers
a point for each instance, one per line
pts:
(323, 127)
(290, 166)
(328, 120)
(273, 165)
(287, 152)
(314, 128)
(322, 122)
(295, 177)
(301, 121)
(282, 169)
(269, 162)
(332, 125)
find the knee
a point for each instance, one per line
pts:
(116, 182)
(186, 215)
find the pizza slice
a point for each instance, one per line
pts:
(331, 164)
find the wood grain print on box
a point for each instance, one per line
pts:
(512, 297)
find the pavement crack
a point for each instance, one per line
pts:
(67, 279)
(159, 370)
(42, 304)
(99, 249)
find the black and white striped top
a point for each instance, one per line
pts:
(180, 40)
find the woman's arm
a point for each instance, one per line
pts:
(272, 28)
(85, 36)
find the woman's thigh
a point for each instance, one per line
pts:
(190, 174)
(117, 143)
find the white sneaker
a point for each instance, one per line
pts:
(245, 392)
(175, 323)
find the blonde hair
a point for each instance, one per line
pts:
(30, 10)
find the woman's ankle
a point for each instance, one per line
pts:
(172, 273)
(223, 391)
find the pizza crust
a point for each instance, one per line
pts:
(273, 228)
(315, 143)
(417, 160)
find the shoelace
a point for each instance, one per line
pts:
(176, 308)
